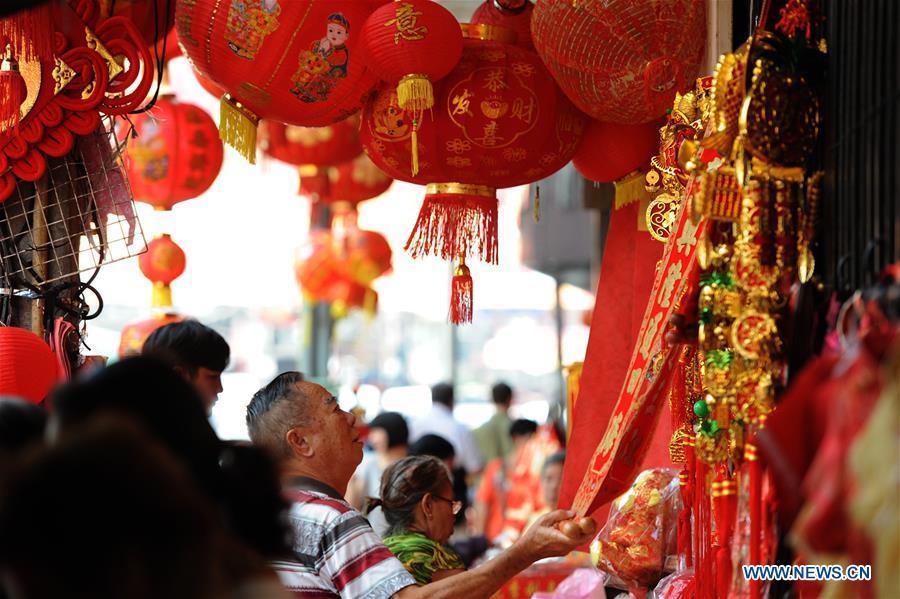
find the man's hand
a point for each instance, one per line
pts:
(546, 539)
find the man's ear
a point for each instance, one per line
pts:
(299, 443)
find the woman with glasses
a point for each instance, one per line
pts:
(417, 500)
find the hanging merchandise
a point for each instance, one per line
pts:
(499, 121)
(413, 43)
(28, 369)
(299, 62)
(512, 14)
(621, 61)
(175, 155)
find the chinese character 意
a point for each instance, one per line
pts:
(405, 18)
(461, 103)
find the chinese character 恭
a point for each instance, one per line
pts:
(494, 80)
(405, 18)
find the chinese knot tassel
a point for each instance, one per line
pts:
(755, 473)
(724, 498)
(414, 145)
(455, 220)
(12, 91)
(461, 293)
(29, 32)
(237, 127)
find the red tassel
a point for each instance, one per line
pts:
(455, 224)
(30, 32)
(461, 293)
(13, 91)
(755, 500)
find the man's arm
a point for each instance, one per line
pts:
(542, 540)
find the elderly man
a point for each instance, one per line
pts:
(336, 552)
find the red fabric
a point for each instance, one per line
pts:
(164, 261)
(626, 279)
(300, 62)
(413, 37)
(621, 60)
(492, 495)
(176, 155)
(318, 146)
(610, 151)
(28, 368)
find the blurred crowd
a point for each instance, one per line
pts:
(116, 485)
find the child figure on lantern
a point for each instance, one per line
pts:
(325, 63)
(249, 22)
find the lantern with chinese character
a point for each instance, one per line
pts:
(610, 150)
(499, 121)
(412, 43)
(175, 156)
(513, 14)
(294, 61)
(621, 61)
(163, 262)
(133, 335)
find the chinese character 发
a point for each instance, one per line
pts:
(461, 103)
(405, 17)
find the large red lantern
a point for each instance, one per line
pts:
(295, 61)
(513, 14)
(176, 155)
(610, 150)
(28, 368)
(131, 340)
(367, 255)
(412, 43)
(621, 60)
(163, 262)
(499, 121)
(316, 146)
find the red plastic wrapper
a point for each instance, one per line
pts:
(678, 585)
(641, 532)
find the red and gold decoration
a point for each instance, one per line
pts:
(133, 335)
(621, 61)
(512, 14)
(298, 62)
(499, 121)
(28, 368)
(354, 182)
(96, 66)
(176, 154)
(413, 43)
(163, 262)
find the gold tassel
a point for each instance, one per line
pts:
(237, 127)
(536, 206)
(415, 93)
(630, 188)
(162, 296)
(414, 141)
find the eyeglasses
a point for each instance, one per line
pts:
(455, 506)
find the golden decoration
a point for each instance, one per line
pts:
(62, 76)
(94, 43)
(460, 189)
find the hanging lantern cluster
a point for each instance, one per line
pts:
(621, 61)
(499, 121)
(512, 14)
(175, 154)
(298, 62)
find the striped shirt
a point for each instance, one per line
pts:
(336, 552)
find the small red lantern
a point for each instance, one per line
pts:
(176, 155)
(298, 62)
(350, 294)
(133, 335)
(318, 267)
(28, 368)
(610, 150)
(163, 262)
(499, 121)
(356, 181)
(317, 146)
(513, 14)
(367, 255)
(621, 60)
(411, 43)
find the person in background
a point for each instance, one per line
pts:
(442, 449)
(389, 438)
(336, 551)
(491, 497)
(493, 436)
(22, 423)
(551, 479)
(439, 421)
(418, 504)
(196, 352)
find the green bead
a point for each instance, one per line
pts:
(704, 427)
(701, 409)
(713, 427)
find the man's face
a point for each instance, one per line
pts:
(208, 384)
(333, 432)
(337, 34)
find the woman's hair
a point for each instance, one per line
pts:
(404, 484)
(394, 425)
(241, 481)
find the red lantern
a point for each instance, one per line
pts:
(133, 335)
(367, 255)
(210, 87)
(317, 146)
(411, 43)
(621, 60)
(163, 262)
(28, 368)
(349, 295)
(298, 62)
(356, 181)
(318, 267)
(176, 155)
(513, 14)
(499, 121)
(610, 151)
